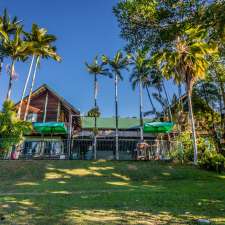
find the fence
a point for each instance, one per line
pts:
(157, 149)
(37, 149)
(83, 149)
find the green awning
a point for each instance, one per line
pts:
(158, 127)
(50, 128)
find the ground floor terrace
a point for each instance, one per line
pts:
(83, 148)
(108, 193)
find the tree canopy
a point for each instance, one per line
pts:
(155, 23)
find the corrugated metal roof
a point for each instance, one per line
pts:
(110, 123)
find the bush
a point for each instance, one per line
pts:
(187, 147)
(12, 129)
(211, 160)
(177, 153)
(204, 144)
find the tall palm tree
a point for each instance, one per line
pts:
(17, 50)
(116, 64)
(139, 76)
(96, 69)
(40, 47)
(186, 62)
(157, 81)
(8, 27)
(146, 86)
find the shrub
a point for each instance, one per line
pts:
(177, 153)
(211, 160)
(204, 144)
(186, 141)
(12, 129)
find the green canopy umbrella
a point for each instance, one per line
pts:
(158, 127)
(50, 128)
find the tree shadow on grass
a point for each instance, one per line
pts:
(87, 192)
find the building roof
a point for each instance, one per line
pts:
(109, 123)
(46, 87)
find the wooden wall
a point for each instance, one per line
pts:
(56, 111)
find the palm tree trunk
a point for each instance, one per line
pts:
(168, 102)
(180, 107)
(116, 113)
(193, 127)
(31, 89)
(9, 91)
(222, 107)
(25, 87)
(150, 99)
(160, 96)
(221, 84)
(1, 65)
(95, 105)
(141, 110)
(207, 100)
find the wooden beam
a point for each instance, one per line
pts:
(46, 106)
(70, 125)
(58, 111)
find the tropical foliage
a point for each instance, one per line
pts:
(116, 66)
(96, 69)
(19, 45)
(186, 44)
(41, 46)
(11, 128)
(140, 77)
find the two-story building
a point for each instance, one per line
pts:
(54, 120)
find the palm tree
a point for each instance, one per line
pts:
(40, 47)
(186, 62)
(140, 77)
(157, 81)
(117, 64)
(96, 69)
(7, 28)
(146, 86)
(16, 49)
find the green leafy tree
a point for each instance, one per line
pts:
(186, 62)
(155, 23)
(212, 19)
(116, 65)
(217, 75)
(12, 129)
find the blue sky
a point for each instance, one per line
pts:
(84, 28)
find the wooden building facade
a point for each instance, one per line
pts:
(47, 108)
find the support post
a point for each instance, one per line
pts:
(46, 106)
(70, 133)
(58, 111)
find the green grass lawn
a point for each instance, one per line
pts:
(101, 192)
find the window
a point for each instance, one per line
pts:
(32, 117)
